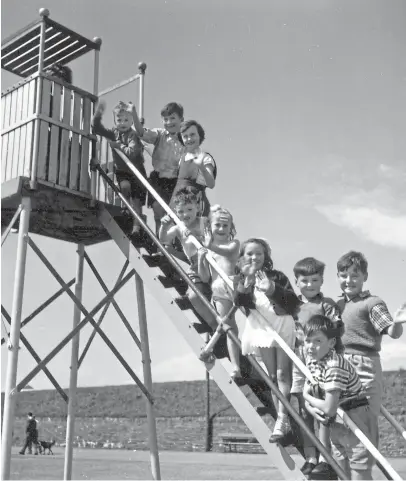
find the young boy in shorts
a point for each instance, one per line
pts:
(366, 319)
(124, 138)
(309, 276)
(339, 386)
(166, 155)
(186, 207)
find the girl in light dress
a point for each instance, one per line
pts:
(271, 304)
(224, 249)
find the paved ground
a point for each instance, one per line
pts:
(121, 464)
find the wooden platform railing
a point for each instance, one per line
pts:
(65, 141)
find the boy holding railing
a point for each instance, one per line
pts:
(309, 276)
(338, 385)
(366, 319)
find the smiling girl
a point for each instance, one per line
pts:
(197, 169)
(271, 303)
(224, 248)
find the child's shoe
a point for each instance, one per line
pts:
(323, 471)
(308, 467)
(281, 429)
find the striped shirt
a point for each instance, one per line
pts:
(334, 373)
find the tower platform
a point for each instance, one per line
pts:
(60, 213)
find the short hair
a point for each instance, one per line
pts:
(308, 267)
(185, 196)
(353, 258)
(320, 323)
(172, 108)
(29, 414)
(217, 209)
(268, 263)
(121, 107)
(61, 71)
(190, 123)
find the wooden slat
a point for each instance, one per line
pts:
(43, 152)
(4, 146)
(17, 135)
(65, 139)
(9, 156)
(54, 134)
(32, 93)
(6, 114)
(84, 182)
(75, 151)
(12, 114)
(29, 146)
(23, 130)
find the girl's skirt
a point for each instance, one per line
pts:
(261, 325)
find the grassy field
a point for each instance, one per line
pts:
(113, 464)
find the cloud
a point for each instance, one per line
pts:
(372, 223)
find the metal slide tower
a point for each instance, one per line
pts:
(58, 181)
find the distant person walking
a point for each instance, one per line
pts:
(31, 432)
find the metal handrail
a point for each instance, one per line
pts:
(208, 305)
(345, 417)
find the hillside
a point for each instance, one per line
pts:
(172, 399)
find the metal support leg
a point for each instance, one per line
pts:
(146, 366)
(10, 394)
(70, 424)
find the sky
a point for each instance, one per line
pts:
(303, 104)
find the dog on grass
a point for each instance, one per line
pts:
(44, 445)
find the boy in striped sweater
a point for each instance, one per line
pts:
(339, 386)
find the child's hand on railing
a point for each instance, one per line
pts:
(166, 220)
(202, 253)
(115, 145)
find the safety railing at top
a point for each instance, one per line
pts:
(387, 468)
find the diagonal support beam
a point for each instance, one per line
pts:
(44, 305)
(113, 301)
(10, 226)
(91, 320)
(31, 350)
(105, 308)
(73, 333)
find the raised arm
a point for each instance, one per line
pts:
(206, 167)
(281, 292)
(137, 123)
(98, 127)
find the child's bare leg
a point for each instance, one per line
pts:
(324, 436)
(136, 203)
(223, 307)
(201, 309)
(158, 214)
(284, 376)
(308, 447)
